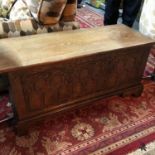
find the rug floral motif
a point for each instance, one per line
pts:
(101, 128)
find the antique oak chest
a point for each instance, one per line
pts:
(51, 73)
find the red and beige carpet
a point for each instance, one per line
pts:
(88, 18)
(114, 126)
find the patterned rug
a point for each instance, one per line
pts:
(6, 111)
(150, 66)
(88, 18)
(113, 126)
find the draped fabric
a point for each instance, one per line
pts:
(147, 19)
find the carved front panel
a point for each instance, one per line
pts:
(63, 83)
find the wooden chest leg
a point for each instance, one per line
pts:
(134, 91)
(21, 129)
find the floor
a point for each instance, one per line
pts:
(101, 11)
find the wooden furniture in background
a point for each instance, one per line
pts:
(50, 73)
